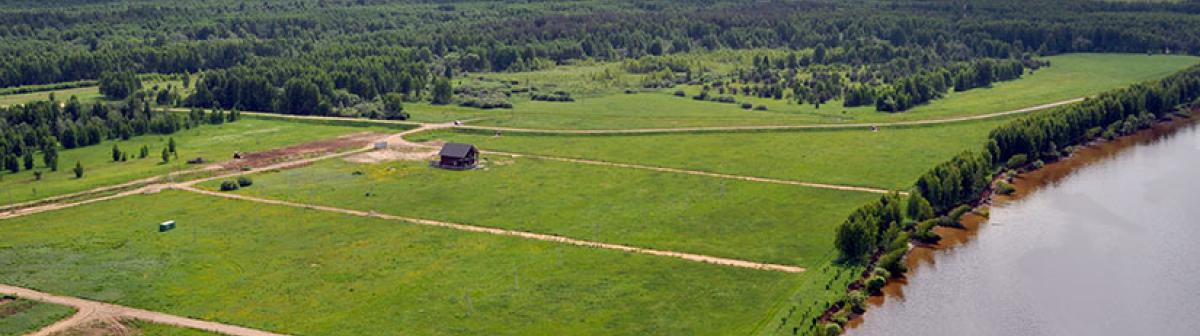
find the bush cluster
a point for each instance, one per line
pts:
(229, 185)
(556, 96)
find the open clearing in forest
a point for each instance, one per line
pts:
(286, 268)
(1069, 76)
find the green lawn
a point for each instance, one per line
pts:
(21, 316)
(208, 141)
(727, 218)
(1070, 76)
(890, 158)
(315, 273)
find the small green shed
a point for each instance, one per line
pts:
(166, 226)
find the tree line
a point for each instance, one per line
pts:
(370, 48)
(952, 185)
(45, 126)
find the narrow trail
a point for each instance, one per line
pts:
(421, 125)
(511, 233)
(51, 206)
(769, 127)
(683, 171)
(89, 310)
(701, 173)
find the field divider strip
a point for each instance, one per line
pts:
(463, 126)
(90, 310)
(635, 131)
(700, 173)
(511, 233)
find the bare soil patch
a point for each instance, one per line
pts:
(399, 150)
(106, 326)
(320, 147)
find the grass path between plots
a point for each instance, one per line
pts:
(630, 131)
(520, 234)
(89, 310)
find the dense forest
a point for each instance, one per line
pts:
(322, 56)
(44, 126)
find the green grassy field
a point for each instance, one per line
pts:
(890, 158)
(86, 94)
(1070, 76)
(208, 141)
(308, 272)
(727, 218)
(21, 316)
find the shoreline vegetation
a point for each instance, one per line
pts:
(961, 190)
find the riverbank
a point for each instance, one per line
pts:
(1026, 183)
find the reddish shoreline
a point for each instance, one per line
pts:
(1025, 184)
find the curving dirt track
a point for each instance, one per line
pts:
(772, 127)
(422, 126)
(89, 310)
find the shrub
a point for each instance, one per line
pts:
(760, 108)
(1017, 161)
(229, 186)
(881, 272)
(893, 261)
(1005, 188)
(1038, 164)
(875, 284)
(556, 96)
(244, 181)
(725, 99)
(747, 106)
(956, 214)
(831, 329)
(78, 169)
(856, 301)
(925, 232)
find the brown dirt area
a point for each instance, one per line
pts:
(107, 326)
(319, 147)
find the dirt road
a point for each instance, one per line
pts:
(771, 127)
(700, 173)
(89, 310)
(679, 129)
(503, 232)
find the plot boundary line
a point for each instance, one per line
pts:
(511, 233)
(841, 187)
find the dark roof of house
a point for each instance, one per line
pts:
(456, 150)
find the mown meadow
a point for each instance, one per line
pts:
(762, 222)
(19, 317)
(332, 274)
(890, 158)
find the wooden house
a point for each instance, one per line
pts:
(458, 156)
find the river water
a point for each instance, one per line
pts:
(1107, 243)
